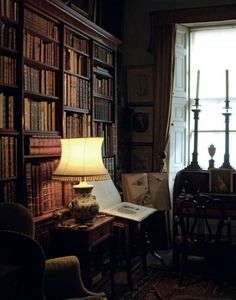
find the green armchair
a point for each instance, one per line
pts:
(37, 278)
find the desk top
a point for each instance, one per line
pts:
(99, 221)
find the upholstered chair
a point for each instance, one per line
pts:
(53, 279)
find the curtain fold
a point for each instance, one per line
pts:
(163, 49)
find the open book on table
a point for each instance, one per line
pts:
(129, 210)
(110, 202)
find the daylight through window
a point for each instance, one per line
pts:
(212, 51)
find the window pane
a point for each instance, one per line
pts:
(213, 51)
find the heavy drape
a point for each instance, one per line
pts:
(163, 49)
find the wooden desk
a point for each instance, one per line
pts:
(81, 241)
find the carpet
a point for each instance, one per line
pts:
(161, 283)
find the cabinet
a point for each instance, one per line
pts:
(57, 79)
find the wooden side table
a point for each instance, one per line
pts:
(135, 230)
(130, 229)
(81, 240)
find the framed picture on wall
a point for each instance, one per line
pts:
(141, 159)
(140, 85)
(221, 180)
(142, 124)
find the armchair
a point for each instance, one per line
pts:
(37, 278)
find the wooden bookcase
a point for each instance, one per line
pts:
(57, 79)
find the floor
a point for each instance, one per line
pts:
(120, 277)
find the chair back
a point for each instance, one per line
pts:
(201, 219)
(201, 223)
(24, 253)
(16, 217)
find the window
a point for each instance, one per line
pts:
(212, 51)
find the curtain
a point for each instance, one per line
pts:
(163, 49)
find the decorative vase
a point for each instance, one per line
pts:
(84, 207)
(211, 151)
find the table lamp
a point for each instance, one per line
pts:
(81, 160)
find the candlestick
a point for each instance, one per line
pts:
(197, 89)
(227, 87)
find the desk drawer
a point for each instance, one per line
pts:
(100, 234)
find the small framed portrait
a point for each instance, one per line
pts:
(140, 85)
(142, 124)
(141, 159)
(221, 180)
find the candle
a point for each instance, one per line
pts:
(198, 79)
(227, 86)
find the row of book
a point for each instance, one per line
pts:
(44, 145)
(76, 125)
(7, 70)
(110, 140)
(8, 156)
(39, 81)
(68, 192)
(103, 54)
(107, 131)
(37, 49)
(102, 71)
(8, 191)
(41, 25)
(102, 109)
(77, 63)
(39, 115)
(9, 9)
(6, 111)
(109, 163)
(43, 193)
(7, 36)
(75, 41)
(77, 92)
(103, 86)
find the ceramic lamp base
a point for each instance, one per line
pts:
(84, 207)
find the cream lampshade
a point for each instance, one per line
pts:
(81, 160)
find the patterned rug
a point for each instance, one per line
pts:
(161, 283)
(164, 286)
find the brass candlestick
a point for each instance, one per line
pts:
(194, 166)
(227, 114)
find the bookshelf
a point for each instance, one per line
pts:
(9, 85)
(57, 79)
